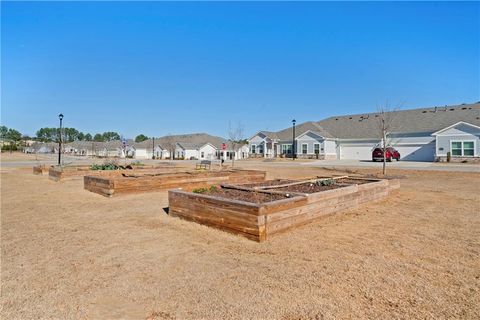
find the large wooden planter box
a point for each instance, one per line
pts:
(57, 173)
(136, 183)
(260, 221)
(41, 169)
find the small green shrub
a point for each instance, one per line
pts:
(328, 182)
(105, 167)
(8, 147)
(205, 190)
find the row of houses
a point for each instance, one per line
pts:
(188, 146)
(426, 134)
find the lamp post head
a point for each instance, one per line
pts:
(60, 116)
(294, 121)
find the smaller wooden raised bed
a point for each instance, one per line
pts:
(258, 219)
(150, 182)
(58, 173)
(41, 169)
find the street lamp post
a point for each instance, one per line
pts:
(153, 148)
(60, 116)
(293, 144)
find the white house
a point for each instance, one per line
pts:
(186, 150)
(207, 151)
(242, 151)
(461, 140)
(419, 135)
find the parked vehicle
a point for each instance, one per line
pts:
(390, 154)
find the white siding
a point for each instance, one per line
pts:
(141, 153)
(460, 132)
(208, 152)
(256, 141)
(356, 151)
(330, 148)
(422, 152)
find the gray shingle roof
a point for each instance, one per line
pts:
(195, 139)
(189, 145)
(365, 126)
(427, 120)
(286, 134)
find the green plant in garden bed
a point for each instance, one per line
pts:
(328, 182)
(205, 190)
(104, 167)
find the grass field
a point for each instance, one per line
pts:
(71, 254)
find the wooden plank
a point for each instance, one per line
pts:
(247, 207)
(235, 212)
(258, 238)
(304, 215)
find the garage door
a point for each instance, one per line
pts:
(425, 152)
(356, 152)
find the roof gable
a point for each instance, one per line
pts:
(460, 123)
(310, 133)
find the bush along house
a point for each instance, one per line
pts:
(429, 134)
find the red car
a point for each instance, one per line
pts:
(391, 153)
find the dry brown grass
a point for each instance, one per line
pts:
(71, 254)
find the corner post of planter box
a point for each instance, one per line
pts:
(262, 227)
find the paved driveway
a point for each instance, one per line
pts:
(412, 165)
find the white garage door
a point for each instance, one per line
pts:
(425, 152)
(356, 152)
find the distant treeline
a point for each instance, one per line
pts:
(68, 135)
(72, 134)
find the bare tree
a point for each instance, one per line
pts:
(386, 125)
(169, 143)
(235, 135)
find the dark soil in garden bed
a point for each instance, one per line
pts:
(247, 196)
(268, 183)
(309, 187)
(353, 181)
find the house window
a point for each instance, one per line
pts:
(463, 148)
(304, 148)
(286, 148)
(316, 148)
(202, 155)
(456, 148)
(260, 149)
(468, 148)
(253, 148)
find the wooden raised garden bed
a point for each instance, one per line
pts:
(150, 182)
(58, 173)
(274, 206)
(41, 169)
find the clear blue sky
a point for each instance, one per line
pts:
(158, 68)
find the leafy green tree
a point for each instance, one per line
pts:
(88, 137)
(14, 136)
(70, 134)
(140, 138)
(110, 136)
(3, 132)
(81, 136)
(47, 134)
(98, 137)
